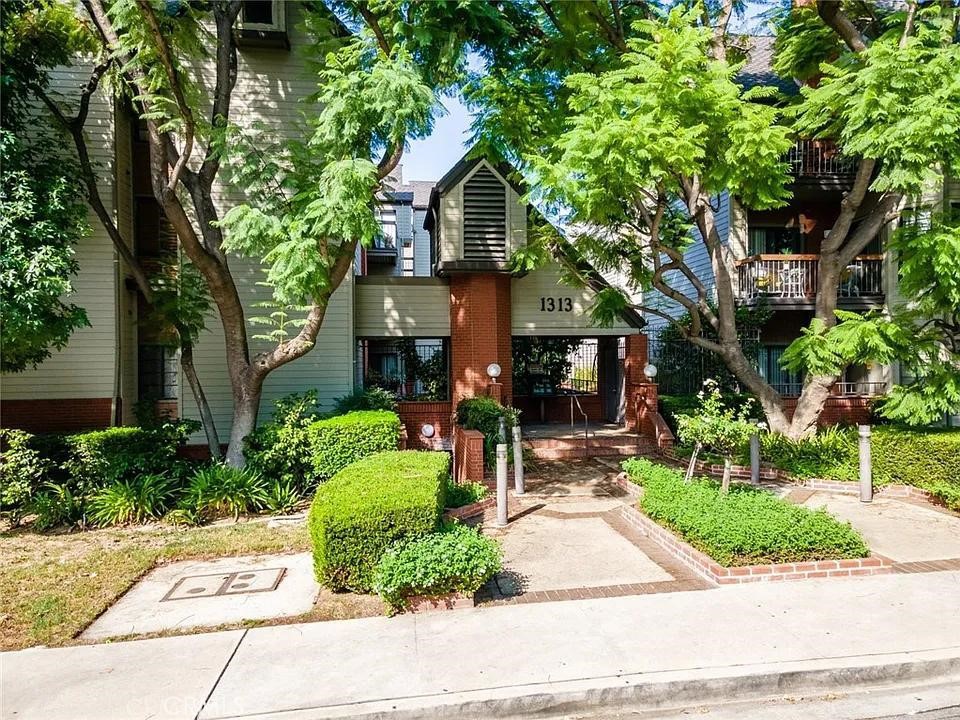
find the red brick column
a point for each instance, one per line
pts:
(480, 334)
(468, 451)
(635, 359)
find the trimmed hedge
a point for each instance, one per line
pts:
(749, 526)
(338, 441)
(928, 459)
(368, 506)
(459, 559)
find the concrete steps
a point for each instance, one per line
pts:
(577, 447)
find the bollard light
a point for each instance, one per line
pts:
(501, 485)
(866, 464)
(517, 461)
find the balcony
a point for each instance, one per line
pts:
(857, 388)
(791, 281)
(383, 251)
(819, 163)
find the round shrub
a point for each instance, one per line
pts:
(458, 559)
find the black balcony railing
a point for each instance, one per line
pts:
(820, 159)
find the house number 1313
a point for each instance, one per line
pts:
(560, 304)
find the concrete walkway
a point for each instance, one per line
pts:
(676, 649)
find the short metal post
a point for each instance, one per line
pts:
(517, 461)
(501, 484)
(503, 429)
(755, 453)
(866, 466)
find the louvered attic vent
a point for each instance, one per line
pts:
(484, 217)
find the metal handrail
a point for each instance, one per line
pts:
(586, 433)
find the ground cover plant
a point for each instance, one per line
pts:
(368, 506)
(457, 559)
(748, 526)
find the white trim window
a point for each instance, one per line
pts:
(265, 15)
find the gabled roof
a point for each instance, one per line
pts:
(563, 251)
(758, 69)
(421, 190)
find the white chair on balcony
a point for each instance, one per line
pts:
(792, 281)
(851, 281)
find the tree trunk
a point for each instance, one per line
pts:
(693, 463)
(206, 417)
(727, 467)
(246, 404)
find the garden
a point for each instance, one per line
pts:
(88, 514)
(927, 458)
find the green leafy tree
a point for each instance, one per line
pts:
(42, 215)
(379, 68)
(718, 427)
(644, 119)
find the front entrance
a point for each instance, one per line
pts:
(614, 402)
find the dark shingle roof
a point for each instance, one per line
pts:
(759, 67)
(421, 192)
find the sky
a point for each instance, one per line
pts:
(431, 157)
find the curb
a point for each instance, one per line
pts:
(650, 691)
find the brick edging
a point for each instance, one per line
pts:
(471, 510)
(709, 569)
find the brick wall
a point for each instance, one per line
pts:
(416, 414)
(468, 455)
(67, 415)
(557, 409)
(854, 410)
(479, 334)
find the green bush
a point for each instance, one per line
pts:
(56, 504)
(23, 470)
(338, 441)
(282, 497)
(373, 398)
(745, 527)
(483, 413)
(124, 502)
(101, 457)
(460, 494)
(217, 490)
(368, 506)
(458, 559)
(280, 449)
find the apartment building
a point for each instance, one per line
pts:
(431, 310)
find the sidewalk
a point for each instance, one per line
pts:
(669, 649)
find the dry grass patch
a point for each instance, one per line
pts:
(53, 586)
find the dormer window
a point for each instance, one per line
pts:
(263, 23)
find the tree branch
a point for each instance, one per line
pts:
(832, 14)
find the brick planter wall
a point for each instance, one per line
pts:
(415, 415)
(708, 568)
(711, 570)
(471, 510)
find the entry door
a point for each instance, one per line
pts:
(613, 382)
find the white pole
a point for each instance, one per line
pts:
(517, 461)
(501, 484)
(866, 467)
(755, 454)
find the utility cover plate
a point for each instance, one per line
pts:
(221, 584)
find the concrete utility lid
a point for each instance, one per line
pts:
(209, 593)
